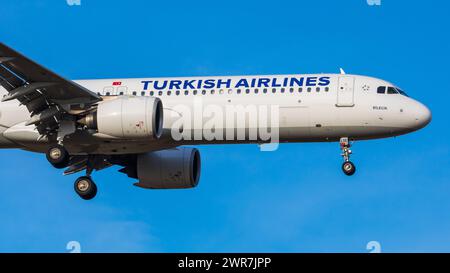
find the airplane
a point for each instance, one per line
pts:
(87, 125)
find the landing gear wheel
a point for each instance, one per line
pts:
(58, 156)
(85, 188)
(348, 168)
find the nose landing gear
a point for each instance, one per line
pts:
(347, 167)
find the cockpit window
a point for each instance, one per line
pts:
(392, 90)
(401, 92)
(381, 90)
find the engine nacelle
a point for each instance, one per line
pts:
(169, 169)
(128, 117)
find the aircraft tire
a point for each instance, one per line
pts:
(348, 168)
(85, 187)
(58, 156)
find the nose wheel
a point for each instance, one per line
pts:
(347, 167)
(85, 188)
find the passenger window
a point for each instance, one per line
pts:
(160, 93)
(143, 93)
(134, 93)
(108, 90)
(391, 90)
(122, 90)
(151, 93)
(381, 90)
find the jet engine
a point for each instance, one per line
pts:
(127, 117)
(176, 168)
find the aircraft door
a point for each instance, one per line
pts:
(345, 92)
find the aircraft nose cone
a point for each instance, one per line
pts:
(423, 115)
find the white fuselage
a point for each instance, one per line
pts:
(320, 107)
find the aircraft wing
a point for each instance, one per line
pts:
(48, 97)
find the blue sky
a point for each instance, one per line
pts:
(293, 200)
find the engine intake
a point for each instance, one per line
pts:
(169, 169)
(127, 117)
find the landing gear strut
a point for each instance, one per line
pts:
(85, 188)
(58, 156)
(347, 167)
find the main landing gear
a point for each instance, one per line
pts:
(84, 186)
(58, 156)
(347, 167)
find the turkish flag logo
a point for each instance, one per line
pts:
(117, 83)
